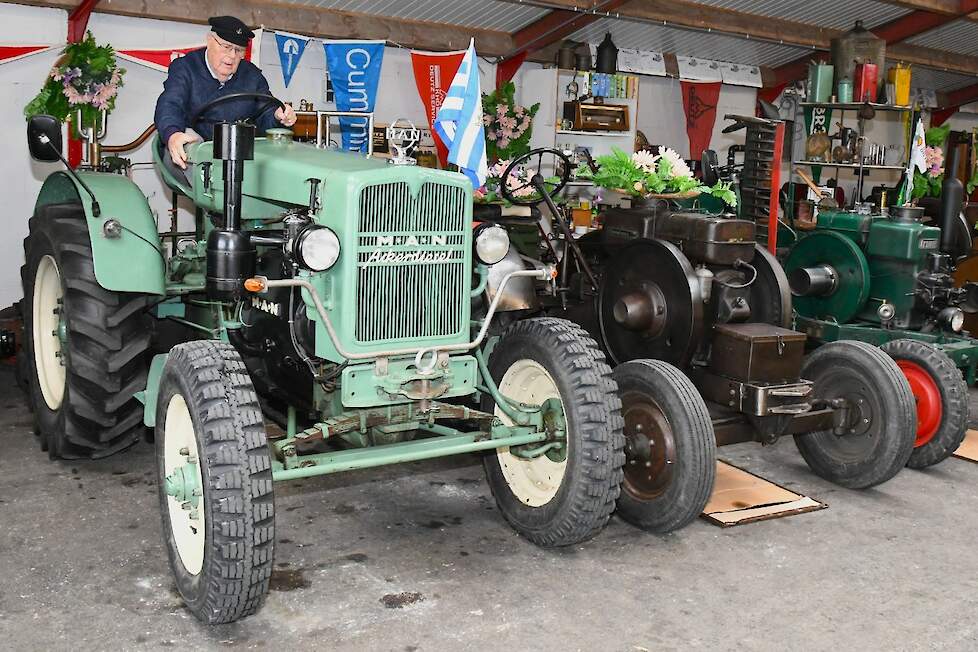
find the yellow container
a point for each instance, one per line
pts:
(899, 76)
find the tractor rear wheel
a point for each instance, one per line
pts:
(85, 346)
(215, 482)
(670, 447)
(881, 424)
(566, 495)
(942, 399)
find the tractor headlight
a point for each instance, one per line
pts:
(951, 318)
(491, 243)
(316, 248)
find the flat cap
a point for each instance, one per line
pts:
(231, 30)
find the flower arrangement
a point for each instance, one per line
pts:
(643, 174)
(86, 77)
(508, 125)
(518, 182)
(928, 183)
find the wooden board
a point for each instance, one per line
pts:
(740, 497)
(968, 450)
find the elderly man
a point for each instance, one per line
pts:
(205, 75)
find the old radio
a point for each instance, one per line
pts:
(593, 116)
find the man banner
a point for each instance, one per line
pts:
(433, 74)
(290, 49)
(354, 68)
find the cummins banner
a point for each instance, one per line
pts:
(354, 68)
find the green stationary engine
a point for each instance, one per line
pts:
(887, 280)
(337, 288)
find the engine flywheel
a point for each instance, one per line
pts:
(650, 304)
(829, 276)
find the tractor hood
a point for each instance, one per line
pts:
(279, 175)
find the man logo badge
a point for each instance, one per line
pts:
(270, 307)
(401, 241)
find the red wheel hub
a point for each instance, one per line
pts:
(928, 397)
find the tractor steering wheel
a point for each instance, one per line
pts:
(544, 187)
(270, 100)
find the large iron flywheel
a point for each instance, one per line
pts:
(650, 304)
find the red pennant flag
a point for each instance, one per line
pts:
(155, 59)
(700, 104)
(10, 53)
(433, 74)
(506, 69)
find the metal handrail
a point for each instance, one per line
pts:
(128, 147)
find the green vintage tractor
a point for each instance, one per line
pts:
(325, 291)
(887, 280)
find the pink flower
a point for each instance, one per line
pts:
(519, 111)
(491, 135)
(500, 110)
(487, 119)
(507, 133)
(504, 143)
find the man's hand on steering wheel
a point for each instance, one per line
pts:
(285, 114)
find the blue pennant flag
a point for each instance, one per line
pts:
(290, 49)
(354, 68)
(459, 121)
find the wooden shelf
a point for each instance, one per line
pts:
(852, 166)
(619, 134)
(855, 106)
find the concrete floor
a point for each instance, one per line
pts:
(416, 557)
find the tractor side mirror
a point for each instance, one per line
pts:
(44, 138)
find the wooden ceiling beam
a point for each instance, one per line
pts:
(558, 25)
(307, 20)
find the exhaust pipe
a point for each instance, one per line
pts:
(952, 196)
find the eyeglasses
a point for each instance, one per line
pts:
(228, 48)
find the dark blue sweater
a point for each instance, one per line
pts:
(190, 85)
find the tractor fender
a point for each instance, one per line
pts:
(130, 260)
(148, 397)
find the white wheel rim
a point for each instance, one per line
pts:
(47, 347)
(536, 481)
(187, 532)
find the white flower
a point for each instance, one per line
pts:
(679, 167)
(645, 160)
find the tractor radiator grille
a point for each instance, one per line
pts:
(411, 262)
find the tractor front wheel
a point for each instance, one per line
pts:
(84, 346)
(877, 437)
(670, 447)
(215, 482)
(566, 495)
(942, 399)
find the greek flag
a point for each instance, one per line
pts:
(459, 121)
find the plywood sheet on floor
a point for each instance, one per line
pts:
(968, 450)
(740, 497)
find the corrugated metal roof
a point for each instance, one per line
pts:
(834, 14)
(938, 80)
(718, 47)
(958, 36)
(484, 14)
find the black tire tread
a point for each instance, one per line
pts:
(699, 449)
(898, 434)
(954, 399)
(595, 400)
(241, 515)
(108, 341)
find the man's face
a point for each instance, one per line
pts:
(222, 56)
